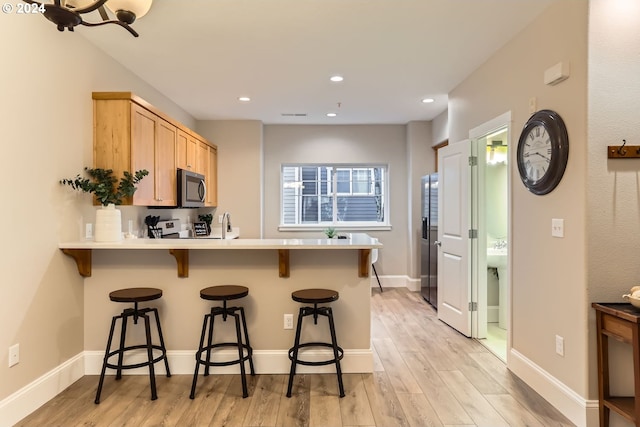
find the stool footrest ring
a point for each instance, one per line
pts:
(204, 361)
(316, 363)
(162, 356)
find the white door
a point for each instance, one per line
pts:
(454, 279)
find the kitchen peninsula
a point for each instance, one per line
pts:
(270, 268)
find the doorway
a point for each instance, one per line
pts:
(490, 284)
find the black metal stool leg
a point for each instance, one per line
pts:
(123, 335)
(334, 343)
(164, 348)
(376, 273)
(104, 363)
(245, 393)
(198, 353)
(246, 339)
(152, 373)
(294, 358)
(209, 341)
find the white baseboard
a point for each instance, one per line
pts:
(492, 314)
(582, 412)
(29, 398)
(396, 282)
(182, 362)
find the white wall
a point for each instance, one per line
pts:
(46, 82)
(239, 171)
(613, 186)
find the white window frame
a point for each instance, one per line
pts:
(331, 192)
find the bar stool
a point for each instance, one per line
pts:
(224, 293)
(135, 296)
(315, 297)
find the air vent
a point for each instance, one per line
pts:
(294, 114)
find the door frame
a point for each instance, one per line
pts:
(479, 285)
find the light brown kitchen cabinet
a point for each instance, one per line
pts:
(202, 157)
(129, 137)
(130, 134)
(211, 178)
(186, 149)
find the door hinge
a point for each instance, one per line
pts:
(473, 306)
(473, 160)
(473, 233)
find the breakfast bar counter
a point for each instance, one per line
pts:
(270, 268)
(179, 248)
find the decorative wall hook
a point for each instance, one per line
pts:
(623, 151)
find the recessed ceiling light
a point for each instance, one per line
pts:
(331, 114)
(244, 99)
(427, 100)
(336, 78)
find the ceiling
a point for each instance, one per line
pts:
(204, 54)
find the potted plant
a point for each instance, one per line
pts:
(331, 232)
(102, 184)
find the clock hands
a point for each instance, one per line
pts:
(538, 153)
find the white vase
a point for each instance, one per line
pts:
(108, 224)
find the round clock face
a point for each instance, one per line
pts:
(543, 151)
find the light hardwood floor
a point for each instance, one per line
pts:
(426, 374)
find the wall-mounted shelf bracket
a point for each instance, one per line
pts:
(182, 258)
(283, 262)
(82, 258)
(364, 265)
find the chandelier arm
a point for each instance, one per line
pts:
(91, 8)
(122, 24)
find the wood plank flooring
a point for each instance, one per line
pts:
(426, 375)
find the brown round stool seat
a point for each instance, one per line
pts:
(315, 296)
(224, 292)
(135, 294)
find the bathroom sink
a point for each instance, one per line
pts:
(497, 258)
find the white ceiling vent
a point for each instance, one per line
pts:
(294, 114)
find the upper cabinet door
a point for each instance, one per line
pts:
(143, 137)
(186, 149)
(165, 160)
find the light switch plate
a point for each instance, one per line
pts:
(557, 227)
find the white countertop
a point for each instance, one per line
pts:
(357, 241)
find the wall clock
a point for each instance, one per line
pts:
(543, 151)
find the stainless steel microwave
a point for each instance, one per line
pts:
(192, 190)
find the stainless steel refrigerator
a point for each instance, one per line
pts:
(429, 233)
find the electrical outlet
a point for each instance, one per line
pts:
(557, 227)
(560, 345)
(220, 219)
(288, 321)
(88, 231)
(532, 105)
(14, 355)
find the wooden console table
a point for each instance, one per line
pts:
(620, 321)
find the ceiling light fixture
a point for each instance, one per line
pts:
(66, 14)
(427, 100)
(244, 99)
(331, 114)
(336, 78)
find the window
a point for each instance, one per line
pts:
(334, 195)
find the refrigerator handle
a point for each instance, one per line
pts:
(425, 227)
